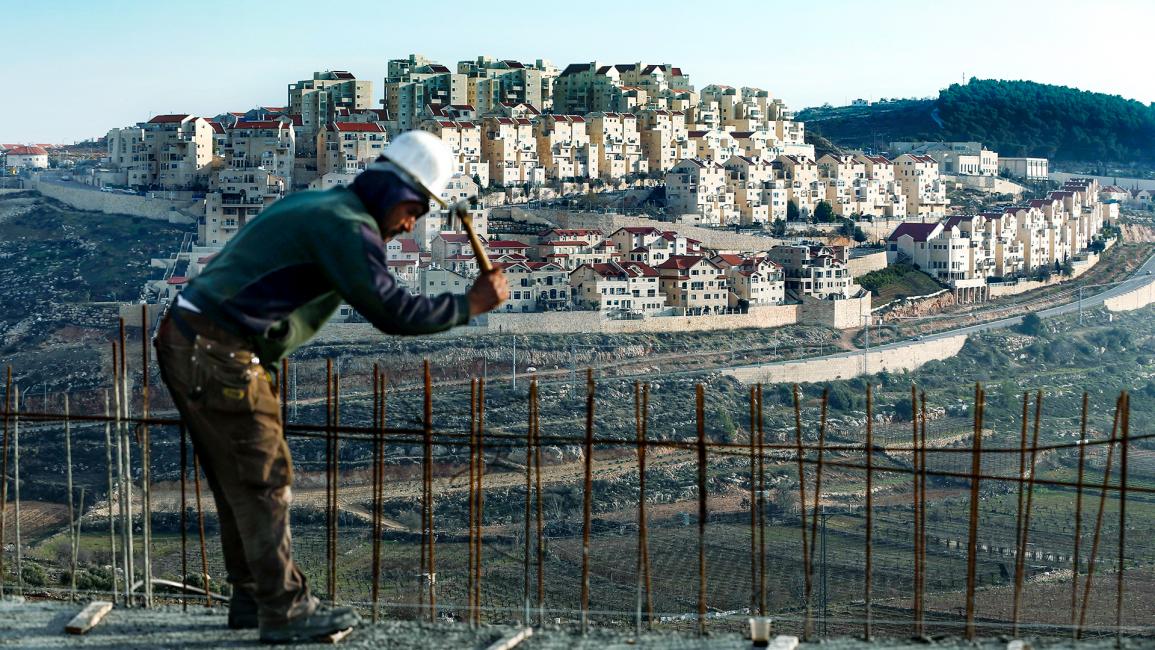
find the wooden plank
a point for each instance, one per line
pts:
(89, 617)
(336, 637)
(512, 640)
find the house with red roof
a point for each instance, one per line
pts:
(535, 286)
(693, 284)
(752, 280)
(349, 146)
(813, 271)
(170, 152)
(697, 192)
(624, 287)
(26, 157)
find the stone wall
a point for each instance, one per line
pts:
(85, 198)
(1136, 298)
(910, 356)
(992, 184)
(863, 264)
(840, 314)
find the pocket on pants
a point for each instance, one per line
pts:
(263, 460)
(231, 380)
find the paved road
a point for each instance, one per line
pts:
(1143, 275)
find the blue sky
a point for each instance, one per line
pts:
(75, 68)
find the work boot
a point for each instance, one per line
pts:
(323, 621)
(242, 610)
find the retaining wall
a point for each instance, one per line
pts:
(1136, 298)
(863, 264)
(907, 357)
(84, 198)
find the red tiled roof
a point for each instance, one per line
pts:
(372, 127)
(168, 119)
(680, 262)
(408, 245)
(28, 151)
(507, 243)
(454, 238)
(177, 279)
(917, 231)
(267, 124)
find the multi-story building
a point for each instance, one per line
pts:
(848, 189)
(698, 187)
(629, 287)
(939, 250)
(803, 186)
(618, 145)
(491, 82)
(693, 284)
(349, 146)
(564, 147)
(535, 286)
(590, 87)
(235, 198)
(752, 280)
(509, 146)
(269, 145)
(172, 152)
(814, 270)
(925, 191)
(758, 194)
(663, 137)
(890, 200)
(414, 83)
(1031, 169)
(22, 157)
(318, 100)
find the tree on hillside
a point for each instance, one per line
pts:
(791, 211)
(823, 212)
(1031, 325)
(778, 228)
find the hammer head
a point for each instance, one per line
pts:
(459, 216)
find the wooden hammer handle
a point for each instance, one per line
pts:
(478, 250)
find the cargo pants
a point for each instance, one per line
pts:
(230, 406)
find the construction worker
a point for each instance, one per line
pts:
(266, 293)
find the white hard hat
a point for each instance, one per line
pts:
(423, 160)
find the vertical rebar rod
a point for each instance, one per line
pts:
(1122, 559)
(480, 494)
(145, 457)
(121, 491)
(329, 477)
(16, 492)
(201, 530)
(336, 481)
(1022, 565)
(644, 531)
(540, 514)
(183, 518)
(76, 540)
(528, 501)
(761, 508)
(808, 625)
(1021, 478)
(68, 480)
(283, 390)
(587, 500)
(700, 408)
(111, 515)
(973, 530)
(4, 473)
(869, 534)
(922, 520)
(126, 448)
(472, 496)
(753, 502)
(915, 459)
(641, 451)
(1078, 514)
(428, 426)
(375, 587)
(1099, 519)
(814, 510)
(380, 461)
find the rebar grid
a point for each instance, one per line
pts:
(754, 452)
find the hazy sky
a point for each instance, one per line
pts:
(72, 69)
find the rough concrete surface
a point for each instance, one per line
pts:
(40, 624)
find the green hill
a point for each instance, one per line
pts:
(1015, 118)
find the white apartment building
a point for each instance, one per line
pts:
(814, 270)
(490, 82)
(509, 146)
(754, 280)
(618, 145)
(890, 201)
(172, 152)
(1031, 169)
(698, 188)
(269, 145)
(26, 157)
(349, 146)
(759, 195)
(564, 147)
(663, 137)
(318, 100)
(236, 197)
(416, 82)
(803, 186)
(713, 144)
(535, 286)
(464, 139)
(925, 191)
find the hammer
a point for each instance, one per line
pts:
(459, 211)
